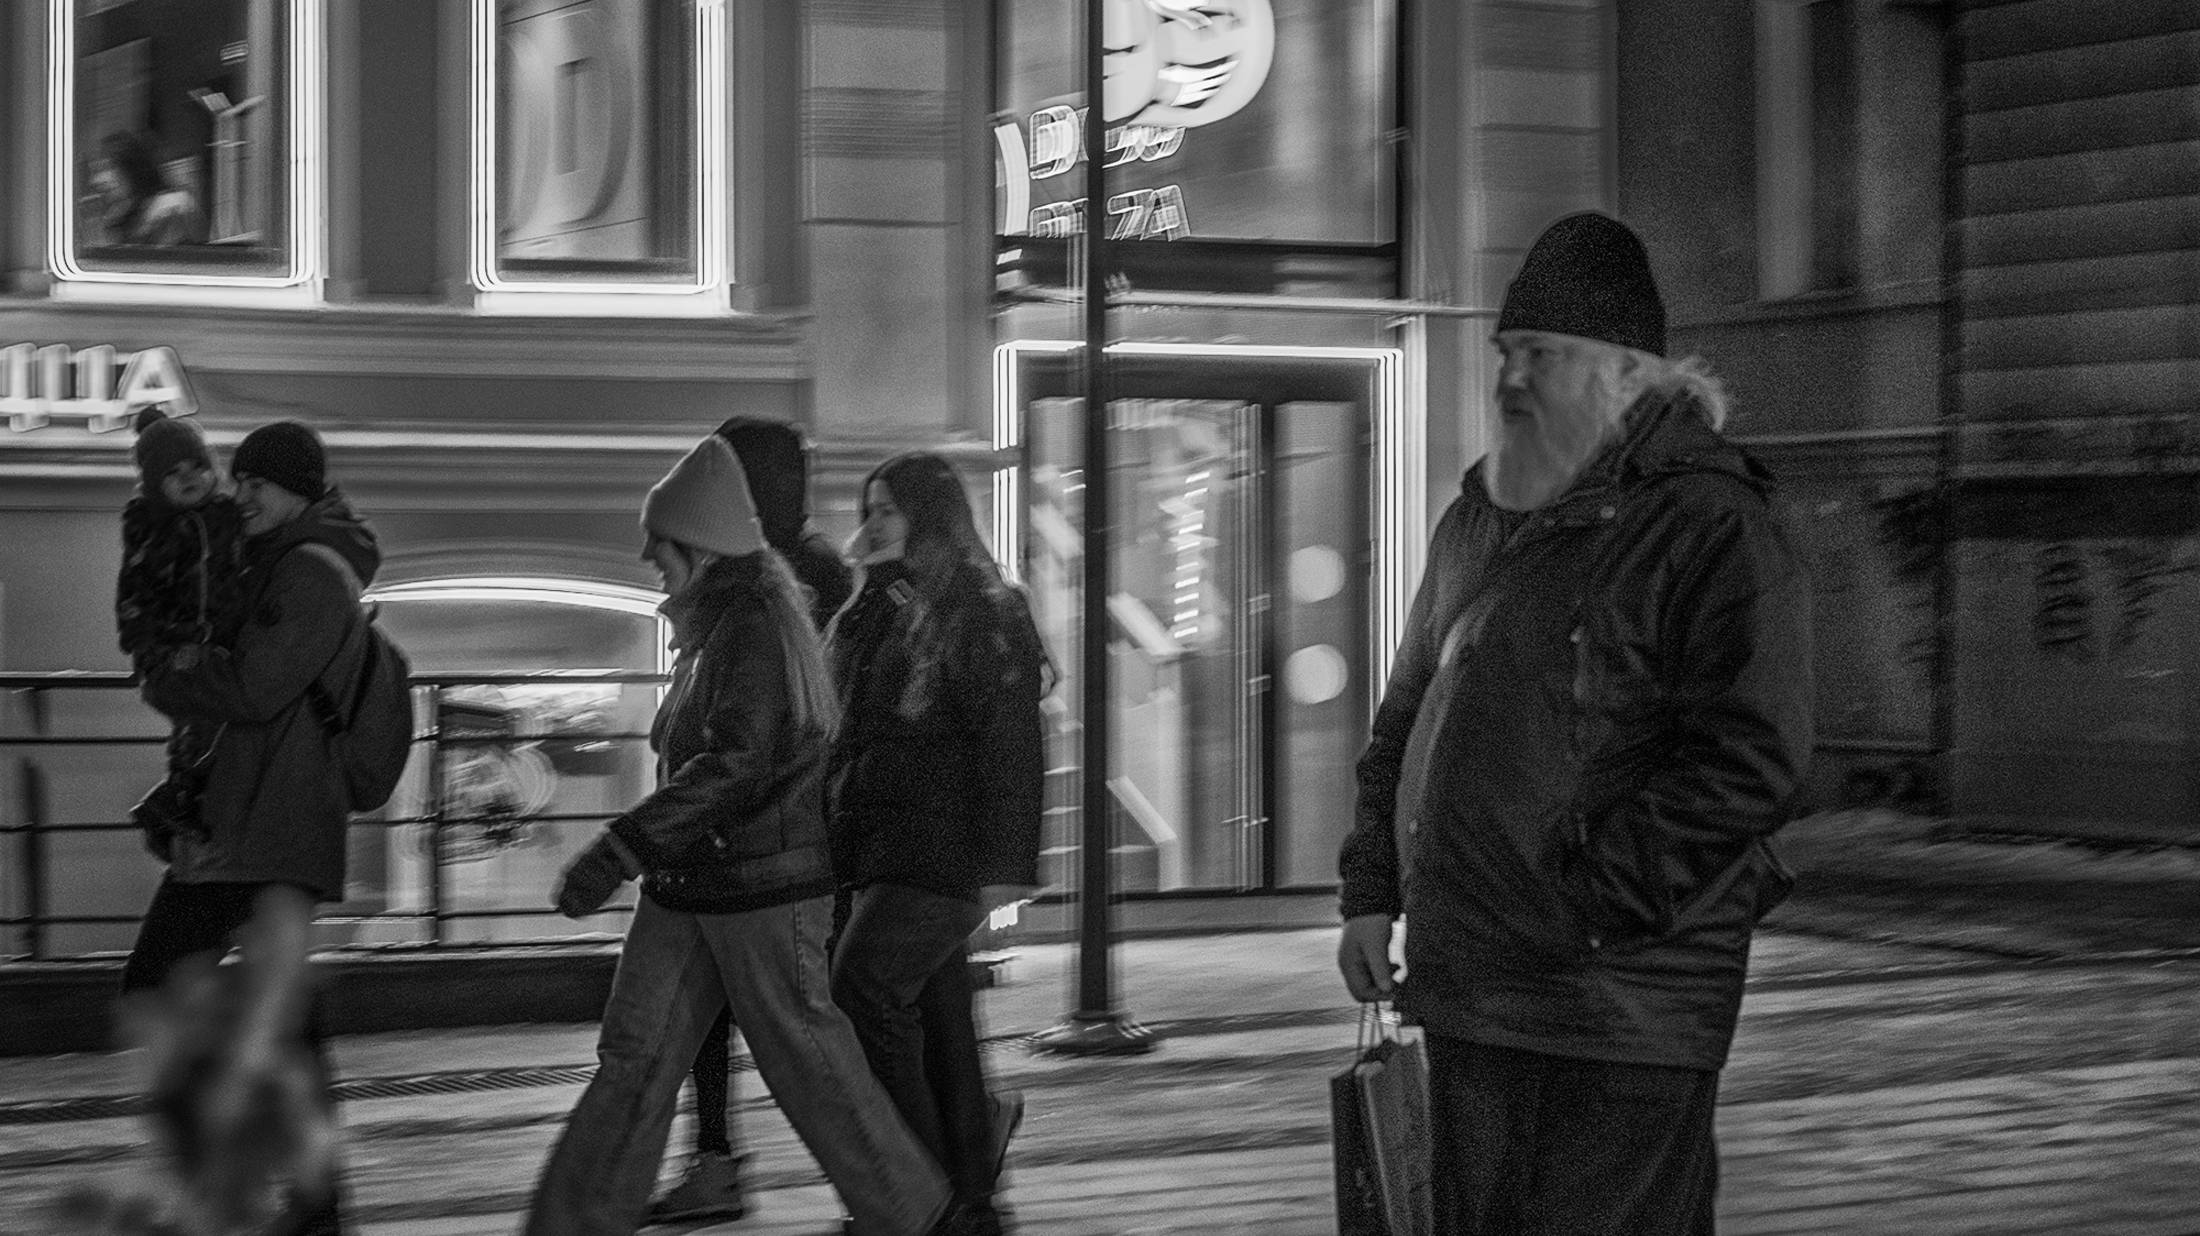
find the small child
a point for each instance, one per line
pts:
(178, 591)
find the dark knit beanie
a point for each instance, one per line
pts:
(1588, 276)
(163, 441)
(287, 453)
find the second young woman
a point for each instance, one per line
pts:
(937, 793)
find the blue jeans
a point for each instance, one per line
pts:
(902, 970)
(675, 973)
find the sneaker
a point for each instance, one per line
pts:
(709, 1189)
(1008, 1113)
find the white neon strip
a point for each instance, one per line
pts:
(307, 138)
(1398, 520)
(505, 589)
(707, 289)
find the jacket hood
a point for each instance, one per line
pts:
(329, 521)
(776, 460)
(1668, 433)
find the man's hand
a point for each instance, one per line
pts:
(591, 878)
(1363, 954)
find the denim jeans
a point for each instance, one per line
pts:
(902, 970)
(675, 973)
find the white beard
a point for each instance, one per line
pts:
(1537, 458)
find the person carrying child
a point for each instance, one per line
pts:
(177, 593)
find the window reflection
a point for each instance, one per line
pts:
(180, 116)
(599, 148)
(522, 775)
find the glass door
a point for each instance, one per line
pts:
(1237, 633)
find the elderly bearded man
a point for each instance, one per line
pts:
(1599, 712)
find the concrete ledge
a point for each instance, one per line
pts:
(1205, 912)
(48, 1008)
(52, 1007)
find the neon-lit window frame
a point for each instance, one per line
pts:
(706, 293)
(306, 140)
(1400, 451)
(508, 589)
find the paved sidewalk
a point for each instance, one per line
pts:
(1875, 1087)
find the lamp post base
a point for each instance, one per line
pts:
(1086, 1034)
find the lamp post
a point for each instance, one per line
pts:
(1095, 1026)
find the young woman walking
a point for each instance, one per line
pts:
(736, 890)
(937, 779)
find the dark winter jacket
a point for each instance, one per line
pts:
(182, 576)
(1628, 716)
(938, 771)
(776, 462)
(275, 803)
(737, 821)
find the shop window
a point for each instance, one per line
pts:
(598, 155)
(1806, 147)
(537, 694)
(184, 147)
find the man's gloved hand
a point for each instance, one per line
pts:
(1363, 955)
(590, 879)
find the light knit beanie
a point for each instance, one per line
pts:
(704, 502)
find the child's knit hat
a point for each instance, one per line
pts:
(163, 441)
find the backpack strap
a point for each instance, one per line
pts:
(335, 718)
(352, 583)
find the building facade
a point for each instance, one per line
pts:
(512, 257)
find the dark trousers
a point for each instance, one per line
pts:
(1525, 1144)
(902, 974)
(713, 1074)
(194, 920)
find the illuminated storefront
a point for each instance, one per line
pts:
(496, 254)
(512, 256)
(1266, 470)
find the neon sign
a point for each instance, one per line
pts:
(1057, 146)
(1171, 65)
(1185, 63)
(98, 386)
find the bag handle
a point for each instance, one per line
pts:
(1375, 1026)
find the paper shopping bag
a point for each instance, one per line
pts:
(1379, 1117)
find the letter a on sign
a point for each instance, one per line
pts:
(156, 376)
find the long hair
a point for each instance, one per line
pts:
(810, 694)
(943, 532)
(943, 545)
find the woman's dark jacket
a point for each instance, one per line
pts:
(738, 819)
(939, 768)
(1627, 715)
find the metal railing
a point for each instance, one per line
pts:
(29, 832)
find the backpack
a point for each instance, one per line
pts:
(371, 725)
